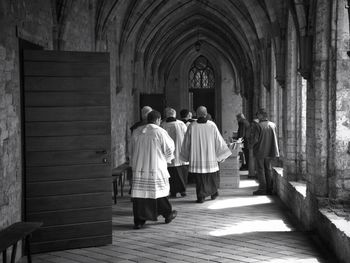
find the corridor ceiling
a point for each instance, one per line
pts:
(162, 31)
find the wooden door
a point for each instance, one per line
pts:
(67, 148)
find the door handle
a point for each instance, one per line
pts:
(101, 152)
(104, 160)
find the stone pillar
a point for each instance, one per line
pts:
(290, 104)
(301, 127)
(339, 184)
(317, 104)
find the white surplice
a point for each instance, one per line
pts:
(204, 147)
(176, 130)
(151, 150)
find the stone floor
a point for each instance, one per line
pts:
(236, 227)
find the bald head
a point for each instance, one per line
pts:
(170, 112)
(144, 112)
(201, 111)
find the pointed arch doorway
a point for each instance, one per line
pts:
(202, 85)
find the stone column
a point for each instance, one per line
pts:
(317, 104)
(290, 104)
(339, 184)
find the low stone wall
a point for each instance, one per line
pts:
(333, 230)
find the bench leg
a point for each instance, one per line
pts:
(4, 256)
(115, 190)
(29, 258)
(121, 181)
(13, 254)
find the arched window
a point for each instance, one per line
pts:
(201, 75)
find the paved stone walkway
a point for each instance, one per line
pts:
(236, 227)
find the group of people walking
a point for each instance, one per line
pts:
(164, 152)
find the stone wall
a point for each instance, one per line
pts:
(79, 31)
(29, 20)
(33, 22)
(231, 102)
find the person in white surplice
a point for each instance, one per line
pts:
(151, 150)
(204, 147)
(177, 168)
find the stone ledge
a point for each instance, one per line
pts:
(332, 228)
(300, 187)
(339, 222)
(335, 232)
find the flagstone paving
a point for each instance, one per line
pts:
(236, 227)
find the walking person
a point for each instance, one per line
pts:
(252, 165)
(203, 147)
(265, 148)
(151, 150)
(243, 132)
(186, 116)
(177, 168)
(144, 112)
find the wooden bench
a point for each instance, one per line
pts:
(14, 233)
(119, 175)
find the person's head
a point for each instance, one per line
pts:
(184, 114)
(201, 112)
(170, 112)
(209, 117)
(190, 115)
(154, 117)
(144, 112)
(261, 114)
(240, 116)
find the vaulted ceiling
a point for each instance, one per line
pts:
(161, 31)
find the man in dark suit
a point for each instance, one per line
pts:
(265, 147)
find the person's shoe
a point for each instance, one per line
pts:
(171, 217)
(214, 196)
(259, 192)
(269, 192)
(137, 226)
(243, 168)
(183, 194)
(172, 196)
(200, 200)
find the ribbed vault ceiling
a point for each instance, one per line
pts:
(162, 31)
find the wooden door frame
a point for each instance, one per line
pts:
(22, 45)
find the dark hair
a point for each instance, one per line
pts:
(153, 116)
(262, 112)
(184, 113)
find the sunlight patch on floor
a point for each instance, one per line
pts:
(240, 201)
(294, 259)
(247, 183)
(252, 226)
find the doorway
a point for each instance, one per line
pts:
(155, 101)
(203, 98)
(202, 86)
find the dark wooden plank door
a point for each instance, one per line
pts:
(67, 148)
